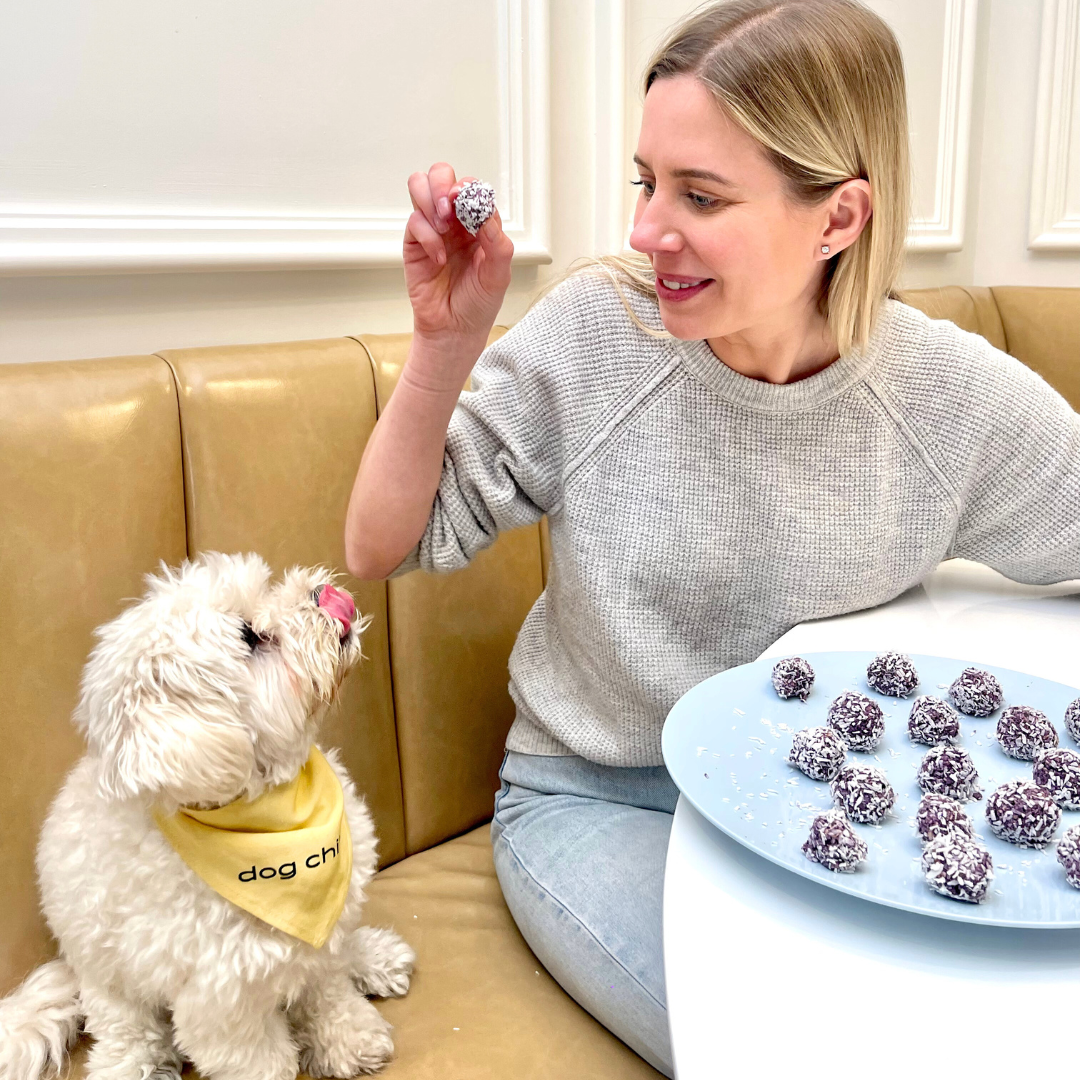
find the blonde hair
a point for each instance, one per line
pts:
(819, 84)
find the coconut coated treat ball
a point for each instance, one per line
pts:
(1023, 813)
(976, 692)
(949, 770)
(958, 867)
(1024, 732)
(931, 721)
(1068, 854)
(938, 815)
(1059, 772)
(817, 751)
(834, 843)
(793, 677)
(1072, 720)
(863, 793)
(892, 673)
(474, 204)
(857, 719)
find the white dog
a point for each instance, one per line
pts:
(207, 691)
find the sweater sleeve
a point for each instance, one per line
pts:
(1020, 510)
(507, 438)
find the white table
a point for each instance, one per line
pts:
(773, 975)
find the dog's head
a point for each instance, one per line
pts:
(212, 686)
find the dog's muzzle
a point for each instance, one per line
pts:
(338, 604)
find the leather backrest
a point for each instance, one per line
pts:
(272, 435)
(93, 499)
(450, 640)
(971, 307)
(1042, 328)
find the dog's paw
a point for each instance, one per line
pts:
(349, 1050)
(383, 963)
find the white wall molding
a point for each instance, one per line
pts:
(608, 121)
(115, 242)
(1051, 225)
(944, 230)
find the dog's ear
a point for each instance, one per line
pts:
(163, 704)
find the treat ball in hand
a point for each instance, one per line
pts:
(1068, 854)
(817, 751)
(1023, 813)
(834, 843)
(863, 793)
(931, 721)
(976, 692)
(793, 677)
(1072, 720)
(474, 204)
(949, 770)
(892, 673)
(1023, 732)
(958, 867)
(857, 719)
(1059, 772)
(938, 815)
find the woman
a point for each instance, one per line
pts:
(741, 430)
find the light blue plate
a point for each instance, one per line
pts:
(726, 740)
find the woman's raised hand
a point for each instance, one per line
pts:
(456, 281)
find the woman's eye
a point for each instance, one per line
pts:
(701, 202)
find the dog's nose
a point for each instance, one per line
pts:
(339, 604)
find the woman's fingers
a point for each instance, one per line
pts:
(418, 230)
(441, 179)
(422, 200)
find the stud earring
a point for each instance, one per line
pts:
(824, 249)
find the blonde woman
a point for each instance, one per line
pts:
(741, 429)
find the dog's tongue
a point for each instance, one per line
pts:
(339, 604)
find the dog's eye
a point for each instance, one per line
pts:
(251, 639)
(316, 594)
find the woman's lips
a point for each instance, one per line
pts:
(677, 295)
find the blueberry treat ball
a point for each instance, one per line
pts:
(863, 793)
(938, 815)
(958, 867)
(1072, 720)
(1059, 772)
(817, 751)
(949, 770)
(932, 721)
(857, 719)
(892, 673)
(474, 204)
(1024, 732)
(834, 843)
(976, 692)
(793, 677)
(1023, 813)
(1068, 854)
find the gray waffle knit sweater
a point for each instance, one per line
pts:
(697, 515)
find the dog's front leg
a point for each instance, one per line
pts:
(341, 1033)
(379, 961)
(131, 1040)
(243, 1038)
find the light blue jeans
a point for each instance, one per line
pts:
(580, 851)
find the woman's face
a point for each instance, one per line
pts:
(760, 255)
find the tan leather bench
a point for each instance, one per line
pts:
(109, 466)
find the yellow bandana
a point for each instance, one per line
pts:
(286, 856)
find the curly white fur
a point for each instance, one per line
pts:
(180, 708)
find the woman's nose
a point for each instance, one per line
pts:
(652, 233)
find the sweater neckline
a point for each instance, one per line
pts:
(794, 397)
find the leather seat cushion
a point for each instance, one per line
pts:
(481, 1005)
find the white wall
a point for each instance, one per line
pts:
(265, 134)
